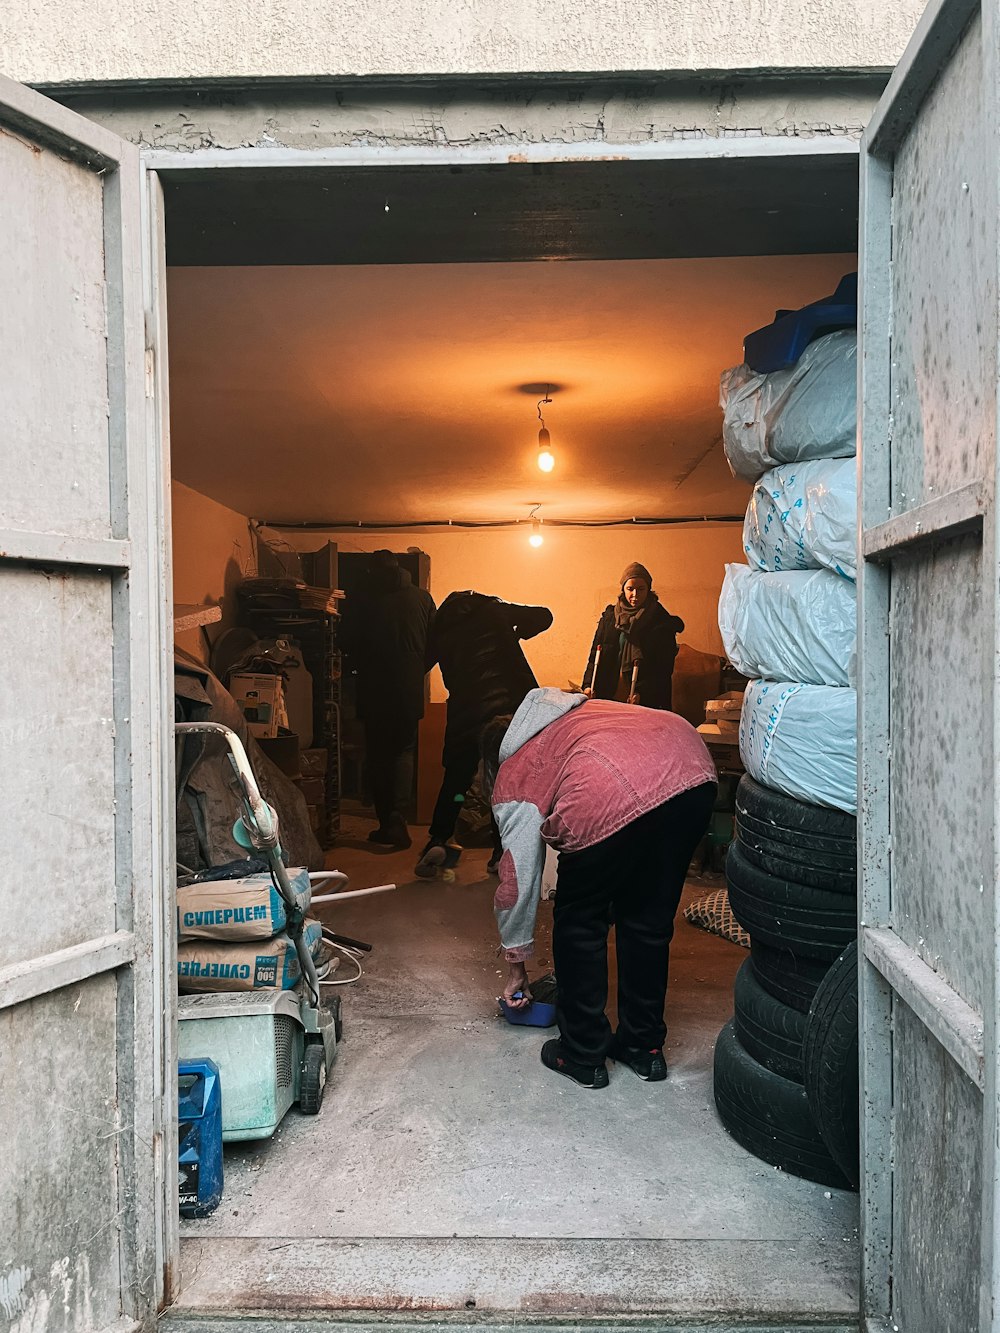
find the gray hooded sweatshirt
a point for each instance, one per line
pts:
(573, 771)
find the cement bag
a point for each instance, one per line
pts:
(808, 411)
(237, 909)
(208, 965)
(804, 516)
(799, 625)
(802, 740)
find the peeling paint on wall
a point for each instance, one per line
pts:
(12, 1291)
(512, 116)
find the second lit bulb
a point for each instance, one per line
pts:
(546, 458)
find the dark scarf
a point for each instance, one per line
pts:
(631, 622)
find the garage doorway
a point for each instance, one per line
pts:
(445, 1171)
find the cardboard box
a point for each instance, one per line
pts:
(261, 698)
(313, 789)
(283, 751)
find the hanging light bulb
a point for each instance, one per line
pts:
(546, 458)
(536, 538)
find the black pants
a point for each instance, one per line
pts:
(461, 760)
(634, 878)
(389, 748)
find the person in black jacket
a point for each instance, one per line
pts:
(632, 656)
(476, 640)
(385, 635)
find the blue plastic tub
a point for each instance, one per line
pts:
(537, 1015)
(199, 1137)
(780, 344)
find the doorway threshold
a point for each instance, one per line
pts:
(798, 1283)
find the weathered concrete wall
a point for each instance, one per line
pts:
(103, 41)
(464, 115)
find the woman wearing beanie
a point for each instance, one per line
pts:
(632, 656)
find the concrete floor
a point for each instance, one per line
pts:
(440, 1125)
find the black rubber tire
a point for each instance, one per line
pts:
(773, 807)
(782, 913)
(825, 844)
(313, 1081)
(830, 1063)
(788, 978)
(768, 1029)
(769, 1115)
(805, 867)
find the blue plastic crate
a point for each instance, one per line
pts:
(780, 344)
(199, 1137)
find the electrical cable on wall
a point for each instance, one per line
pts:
(329, 525)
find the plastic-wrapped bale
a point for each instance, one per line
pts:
(804, 516)
(802, 740)
(237, 909)
(209, 965)
(790, 416)
(799, 625)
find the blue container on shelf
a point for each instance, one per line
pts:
(780, 344)
(199, 1137)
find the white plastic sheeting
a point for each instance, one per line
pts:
(804, 516)
(789, 416)
(796, 625)
(802, 740)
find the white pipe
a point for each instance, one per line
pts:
(321, 876)
(352, 893)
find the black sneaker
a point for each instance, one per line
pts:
(649, 1065)
(395, 836)
(493, 864)
(588, 1076)
(437, 856)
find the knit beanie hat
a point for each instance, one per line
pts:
(636, 571)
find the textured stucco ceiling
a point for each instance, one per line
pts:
(391, 393)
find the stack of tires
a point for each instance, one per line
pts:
(786, 1065)
(791, 876)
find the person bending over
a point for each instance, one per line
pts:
(476, 639)
(632, 656)
(624, 795)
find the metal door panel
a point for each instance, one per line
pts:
(84, 748)
(928, 706)
(939, 1155)
(942, 408)
(52, 276)
(57, 719)
(939, 755)
(67, 1199)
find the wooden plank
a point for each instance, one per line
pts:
(52, 971)
(950, 515)
(190, 617)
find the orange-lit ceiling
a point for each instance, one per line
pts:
(390, 393)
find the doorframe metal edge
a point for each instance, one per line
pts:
(387, 155)
(874, 860)
(940, 29)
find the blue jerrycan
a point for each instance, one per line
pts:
(199, 1137)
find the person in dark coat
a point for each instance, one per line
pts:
(385, 636)
(634, 646)
(476, 640)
